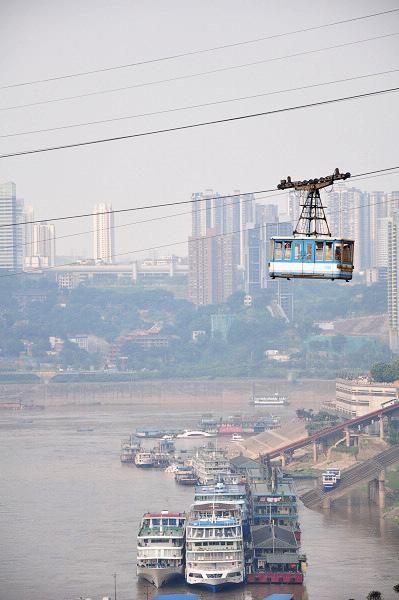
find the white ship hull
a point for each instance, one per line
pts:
(159, 576)
(220, 580)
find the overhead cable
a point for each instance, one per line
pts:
(246, 197)
(200, 124)
(181, 242)
(199, 74)
(194, 52)
(274, 190)
(203, 105)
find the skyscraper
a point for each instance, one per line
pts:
(28, 218)
(11, 234)
(104, 244)
(393, 278)
(348, 216)
(44, 242)
(211, 268)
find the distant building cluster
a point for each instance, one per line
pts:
(24, 244)
(228, 249)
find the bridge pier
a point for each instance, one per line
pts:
(376, 490)
(381, 426)
(283, 459)
(347, 437)
(315, 453)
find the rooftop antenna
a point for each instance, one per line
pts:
(312, 220)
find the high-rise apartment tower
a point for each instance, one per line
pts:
(104, 244)
(11, 234)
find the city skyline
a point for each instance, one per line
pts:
(249, 155)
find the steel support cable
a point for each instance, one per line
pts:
(173, 215)
(198, 74)
(113, 227)
(200, 124)
(384, 171)
(194, 52)
(195, 106)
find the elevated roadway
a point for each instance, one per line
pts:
(327, 432)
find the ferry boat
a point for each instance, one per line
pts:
(330, 479)
(160, 547)
(194, 434)
(211, 465)
(144, 459)
(186, 476)
(214, 545)
(129, 449)
(153, 433)
(274, 400)
(238, 423)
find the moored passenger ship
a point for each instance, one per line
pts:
(160, 547)
(214, 545)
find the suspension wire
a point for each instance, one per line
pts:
(194, 106)
(194, 52)
(364, 175)
(161, 218)
(179, 243)
(201, 124)
(198, 74)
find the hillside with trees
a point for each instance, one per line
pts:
(40, 326)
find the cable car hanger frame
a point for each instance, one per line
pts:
(307, 253)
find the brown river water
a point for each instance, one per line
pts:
(69, 515)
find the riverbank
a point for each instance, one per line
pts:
(233, 394)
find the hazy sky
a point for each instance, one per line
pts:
(44, 38)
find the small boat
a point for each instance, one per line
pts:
(330, 479)
(173, 468)
(236, 437)
(84, 429)
(186, 476)
(194, 434)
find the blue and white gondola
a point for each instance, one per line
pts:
(311, 257)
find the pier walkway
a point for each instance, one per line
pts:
(367, 471)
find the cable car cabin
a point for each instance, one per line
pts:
(311, 257)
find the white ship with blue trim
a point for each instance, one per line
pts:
(214, 545)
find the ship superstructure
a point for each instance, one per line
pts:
(273, 555)
(129, 449)
(275, 503)
(214, 545)
(274, 540)
(211, 465)
(225, 492)
(160, 547)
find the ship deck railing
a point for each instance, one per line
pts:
(164, 531)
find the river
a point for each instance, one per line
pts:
(69, 515)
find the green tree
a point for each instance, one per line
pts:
(396, 588)
(374, 595)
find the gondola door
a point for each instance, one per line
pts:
(298, 257)
(308, 258)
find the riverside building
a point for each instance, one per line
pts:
(358, 397)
